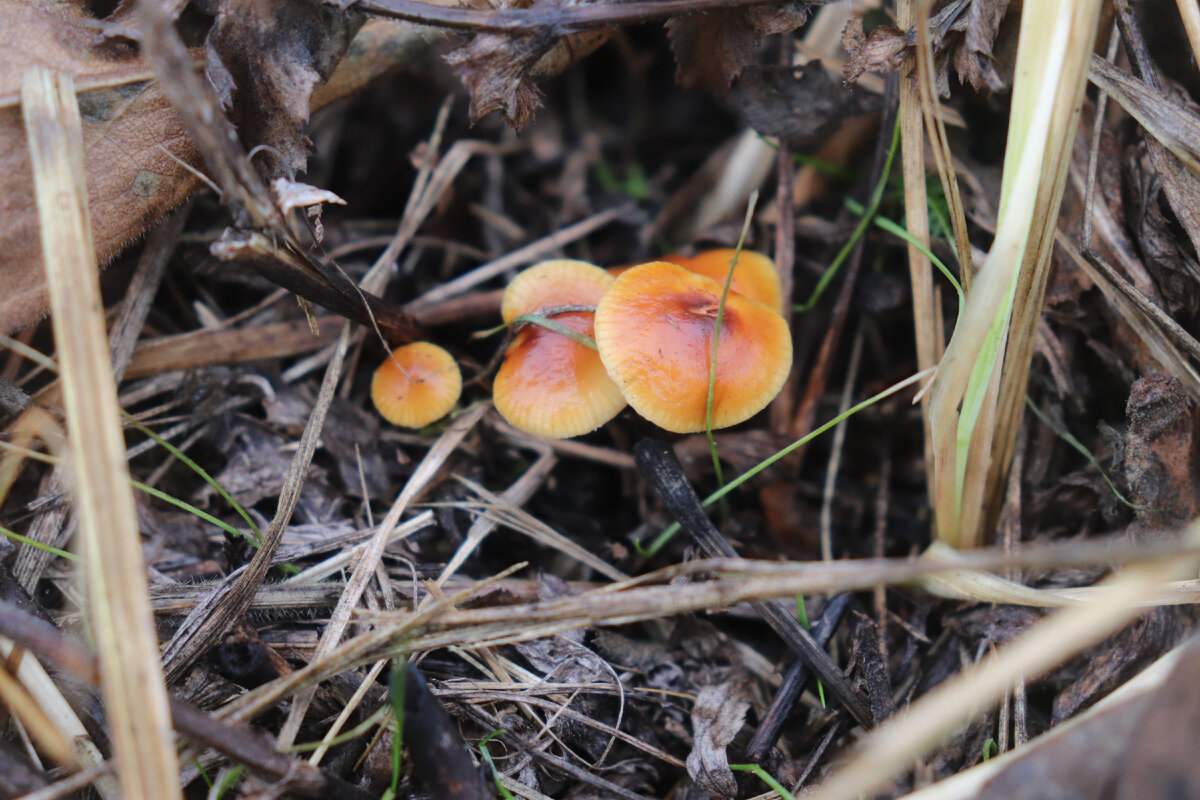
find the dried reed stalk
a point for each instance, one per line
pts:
(978, 394)
(135, 695)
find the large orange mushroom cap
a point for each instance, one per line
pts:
(550, 385)
(654, 329)
(754, 276)
(417, 385)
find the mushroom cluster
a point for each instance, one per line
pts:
(585, 342)
(654, 326)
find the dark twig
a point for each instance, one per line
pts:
(440, 759)
(874, 672)
(550, 18)
(793, 683)
(661, 468)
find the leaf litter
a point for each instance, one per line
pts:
(505, 593)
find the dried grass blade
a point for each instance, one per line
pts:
(975, 401)
(1163, 117)
(364, 570)
(892, 746)
(37, 682)
(42, 729)
(926, 316)
(940, 143)
(132, 680)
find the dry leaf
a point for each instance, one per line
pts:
(883, 51)
(499, 70)
(972, 57)
(133, 144)
(264, 58)
(717, 717)
(963, 33)
(711, 49)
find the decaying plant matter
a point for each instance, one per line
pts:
(960, 514)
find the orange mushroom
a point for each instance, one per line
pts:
(550, 385)
(754, 276)
(417, 384)
(654, 331)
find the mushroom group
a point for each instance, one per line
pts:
(585, 343)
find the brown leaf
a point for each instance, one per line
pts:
(265, 57)
(495, 69)
(133, 144)
(499, 70)
(963, 34)
(973, 61)
(1160, 456)
(717, 717)
(711, 49)
(883, 51)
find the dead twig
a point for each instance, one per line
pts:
(553, 19)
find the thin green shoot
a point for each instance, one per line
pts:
(712, 366)
(16, 537)
(634, 184)
(228, 780)
(196, 468)
(822, 166)
(183, 505)
(940, 226)
(901, 232)
(990, 749)
(202, 772)
(1070, 439)
(802, 615)
(670, 531)
(544, 321)
(765, 777)
(347, 735)
(819, 164)
(486, 756)
(396, 691)
(859, 230)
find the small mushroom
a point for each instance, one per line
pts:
(654, 330)
(417, 384)
(754, 276)
(550, 385)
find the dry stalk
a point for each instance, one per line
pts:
(926, 314)
(134, 692)
(977, 398)
(731, 581)
(893, 746)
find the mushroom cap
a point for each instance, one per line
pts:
(418, 384)
(754, 276)
(560, 282)
(550, 385)
(654, 329)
